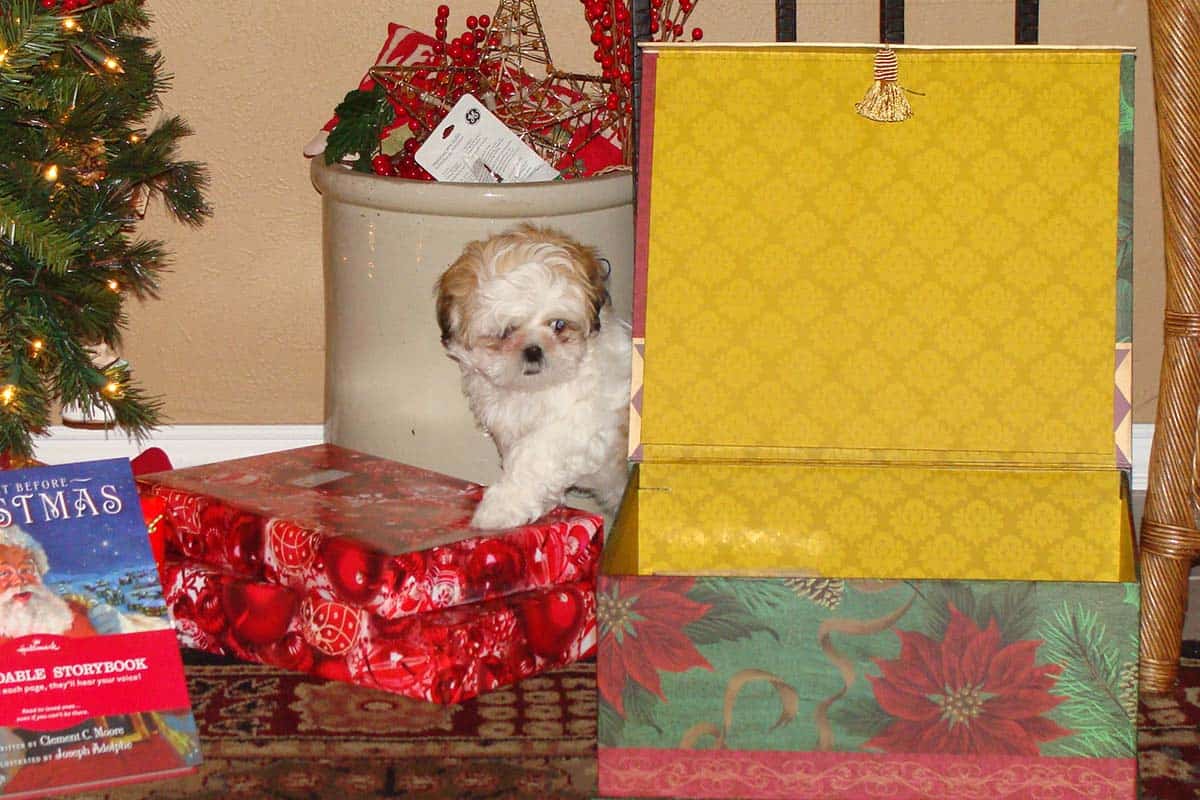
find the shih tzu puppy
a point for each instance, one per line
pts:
(545, 367)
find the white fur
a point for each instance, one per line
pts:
(564, 426)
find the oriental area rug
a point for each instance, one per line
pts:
(274, 735)
(268, 734)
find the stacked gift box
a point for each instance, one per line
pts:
(361, 569)
(877, 541)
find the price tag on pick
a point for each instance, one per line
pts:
(471, 145)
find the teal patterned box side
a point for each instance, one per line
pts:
(807, 664)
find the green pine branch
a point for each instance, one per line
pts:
(1077, 641)
(859, 717)
(609, 724)
(154, 166)
(758, 596)
(640, 704)
(25, 410)
(120, 15)
(137, 267)
(728, 617)
(26, 39)
(182, 190)
(76, 160)
(1013, 605)
(41, 238)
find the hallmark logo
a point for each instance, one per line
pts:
(37, 646)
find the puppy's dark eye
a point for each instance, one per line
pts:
(558, 325)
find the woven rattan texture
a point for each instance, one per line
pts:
(1170, 540)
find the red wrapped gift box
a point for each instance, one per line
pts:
(332, 561)
(444, 656)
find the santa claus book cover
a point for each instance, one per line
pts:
(92, 691)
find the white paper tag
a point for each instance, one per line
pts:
(472, 146)
(314, 479)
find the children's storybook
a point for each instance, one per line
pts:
(92, 691)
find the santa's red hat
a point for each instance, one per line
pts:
(15, 536)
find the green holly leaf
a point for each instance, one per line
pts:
(362, 116)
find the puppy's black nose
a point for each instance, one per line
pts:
(533, 354)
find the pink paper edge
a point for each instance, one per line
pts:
(763, 774)
(645, 169)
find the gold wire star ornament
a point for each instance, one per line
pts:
(426, 93)
(520, 40)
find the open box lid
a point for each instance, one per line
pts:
(813, 285)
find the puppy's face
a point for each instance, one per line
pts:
(518, 308)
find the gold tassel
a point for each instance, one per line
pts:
(885, 100)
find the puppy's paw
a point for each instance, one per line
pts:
(502, 509)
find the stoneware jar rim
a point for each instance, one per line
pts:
(515, 200)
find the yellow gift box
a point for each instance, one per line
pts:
(877, 538)
(880, 349)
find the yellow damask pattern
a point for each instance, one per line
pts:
(818, 282)
(880, 351)
(875, 522)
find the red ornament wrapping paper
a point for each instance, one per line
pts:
(442, 656)
(385, 536)
(320, 559)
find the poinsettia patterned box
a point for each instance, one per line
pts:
(336, 562)
(878, 541)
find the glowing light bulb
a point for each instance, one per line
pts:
(112, 65)
(70, 24)
(7, 394)
(51, 173)
(113, 285)
(112, 389)
(37, 345)
(134, 138)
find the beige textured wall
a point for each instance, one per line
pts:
(238, 334)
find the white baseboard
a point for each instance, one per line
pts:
(1143, 435)
(189, 445)
(186, 445)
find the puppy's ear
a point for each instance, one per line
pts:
(452, 291)
(594, 271)
(445, 314)
(598, 305)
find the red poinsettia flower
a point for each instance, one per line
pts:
(641, 634)
(967, 694)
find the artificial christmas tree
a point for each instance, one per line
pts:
(78, 84)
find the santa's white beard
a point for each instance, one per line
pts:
(43, 612)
